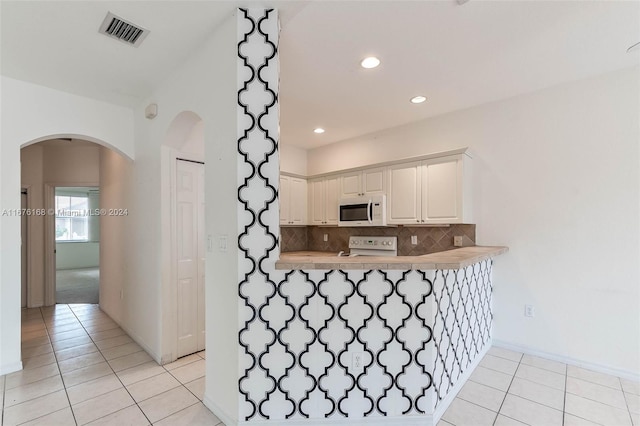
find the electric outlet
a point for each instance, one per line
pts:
(357, 363)
(457, 241)
(325, 237)
(414, 240)
(529, 311)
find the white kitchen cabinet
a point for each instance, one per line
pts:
(442, 190)
(363, 182)
(323, 201)
(293, 200)
(404, 194)
(430, 192)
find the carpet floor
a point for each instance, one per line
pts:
(77, 285)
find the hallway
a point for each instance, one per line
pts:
(81, 368)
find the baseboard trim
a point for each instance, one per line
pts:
(135, 337)
(219, 412)
(10, 368)
(444, 404)
(568, 360)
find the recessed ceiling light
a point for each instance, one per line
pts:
(634, 48)
(370, 62)
(418, 99)
(318, 130)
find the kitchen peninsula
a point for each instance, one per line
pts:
(450, 259)
(406, 332)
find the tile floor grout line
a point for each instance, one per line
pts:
(189, 406)
(183, 384)
(624, 396)
(55, 356)
(507, 391)
(117, 377)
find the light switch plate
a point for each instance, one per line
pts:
(222, 243)
(457, 241)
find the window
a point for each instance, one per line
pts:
(72, 218)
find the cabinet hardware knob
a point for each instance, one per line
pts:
(417, 221)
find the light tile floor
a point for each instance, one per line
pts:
(510, 388)
(81, 368)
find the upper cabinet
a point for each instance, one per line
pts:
(293, 200)
(324, 195)
(427, 190)
(404, 195)
(443, 186)
(432, 191)
(363, 182)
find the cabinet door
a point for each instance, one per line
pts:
(351, 185)
(298, 201)
(404, 193)
(285, 196)
(373, 181)
(332, 191)
(317, 198)
(442, 190)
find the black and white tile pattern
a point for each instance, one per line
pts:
(415, 331)
(462, 322)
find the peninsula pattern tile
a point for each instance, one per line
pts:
(88, 371)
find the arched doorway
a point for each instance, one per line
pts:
(71, 240)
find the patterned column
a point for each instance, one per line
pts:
(258, 222)
(415, 333)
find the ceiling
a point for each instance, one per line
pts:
(456, 55)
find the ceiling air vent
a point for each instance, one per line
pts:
(126, 32)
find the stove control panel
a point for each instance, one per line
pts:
(373, 243)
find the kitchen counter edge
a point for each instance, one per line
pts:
(450, 259)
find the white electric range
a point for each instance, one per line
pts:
(373, 246)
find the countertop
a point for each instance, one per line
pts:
(450, 259)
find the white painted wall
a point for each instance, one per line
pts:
(204, 86)
(557, 180)
(118, 254)
(193, 143)
(71, 165)
(30, 113)
(77, 255)
(293, 160)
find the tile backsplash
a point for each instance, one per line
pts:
(430, 239)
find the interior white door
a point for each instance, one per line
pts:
(24, 251)
(190, 256)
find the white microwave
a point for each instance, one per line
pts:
(363, 211)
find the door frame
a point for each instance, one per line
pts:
(23, 240)
(170, 254)
(50, 237)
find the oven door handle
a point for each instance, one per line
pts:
(369, 211)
